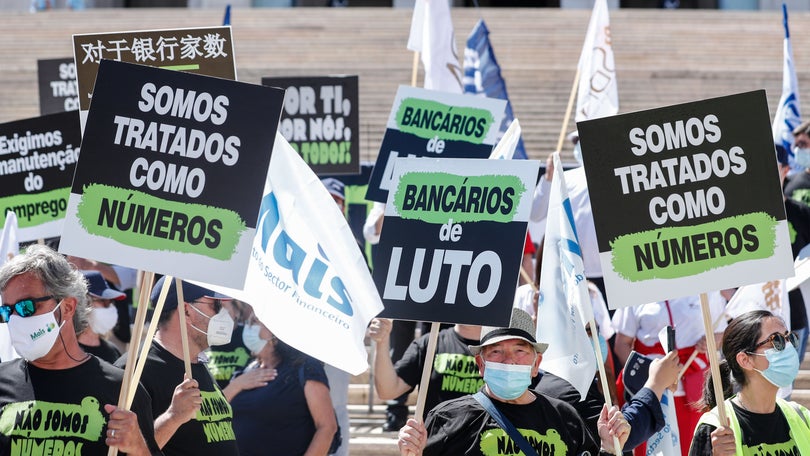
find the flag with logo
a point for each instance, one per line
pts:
(788, 114)
(771, 296)
(432, 36)
(666, 442)
(564, 302)
(8, 249)
(482, 76)
(307, 279)
(597, 94)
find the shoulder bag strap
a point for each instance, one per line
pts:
(504, 423)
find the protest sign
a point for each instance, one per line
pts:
(206, 50)
(321, 121)
(58, 90)
(453, 239)
(700, 207)
(173, 170)
(37, 160)
(426, 123)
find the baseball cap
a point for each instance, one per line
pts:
(97, 286)
(335, 187)
(191, 293)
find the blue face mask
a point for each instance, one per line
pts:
(603, 346)
(801, 157)
(507, 381)
(783, 365)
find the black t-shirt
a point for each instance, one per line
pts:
(589, 409)
(454, 372)
(798, 187)
(211, 431)
(105, 350)
(225, 360)
(798, 217)
(762, 434)
(462, 427)
(61, 412)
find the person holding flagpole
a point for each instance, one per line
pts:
(759, 358)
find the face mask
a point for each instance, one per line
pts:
(507, 381)
(602, 345)
(251, 339)
(801, 157)
(783, 366)
(34, 336)
(578, 153)
(103, 319)
(220, 327)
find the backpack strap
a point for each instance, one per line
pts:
(504, 423)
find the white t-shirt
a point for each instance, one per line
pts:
(644, 322)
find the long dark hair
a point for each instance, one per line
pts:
(740, 336)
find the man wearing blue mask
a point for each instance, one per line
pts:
(505, 411)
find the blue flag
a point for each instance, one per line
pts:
(227, 19)
(482, 75)
(788, 115)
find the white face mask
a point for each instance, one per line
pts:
(251, 339)
(220, 327)
(578, 153)
(103, 319)
(33, 337)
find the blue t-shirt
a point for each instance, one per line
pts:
(274, 419)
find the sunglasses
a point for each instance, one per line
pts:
(217, 304)
(24, 308)
(779, 341)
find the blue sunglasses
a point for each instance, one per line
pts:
(24, 308)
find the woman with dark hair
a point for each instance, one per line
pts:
(291, 415)
(760, 357)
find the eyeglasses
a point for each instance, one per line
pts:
(24, 308)
(216, 303)
(779, 340)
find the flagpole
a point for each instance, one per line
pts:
(415, 68)
(127, 385)
(426, 370)
(617, 447)
(711, 352)
(568, 109)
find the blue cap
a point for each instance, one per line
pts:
(191, 293)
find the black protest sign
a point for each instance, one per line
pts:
(37, 160)
(427, 123)
(452, 239)
(701, 205)
(58, 90)
(173, 170)
(207, 50)
(321, 121)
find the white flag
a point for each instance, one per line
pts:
(8, 249)
(307, 279)
(771, 296)
(432, 36)
(666, 442)
(788, 114)
(564, 301)
(505, 149)
(598, 94)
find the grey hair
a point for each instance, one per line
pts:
(58, 276)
